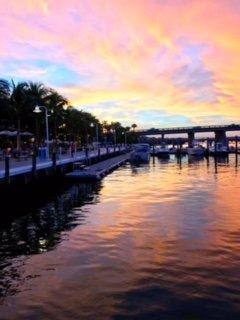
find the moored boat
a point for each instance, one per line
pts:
(196, 150)
(162, 151)
(141, 152)
(219, 149)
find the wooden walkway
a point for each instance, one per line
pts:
(24, 170)
(99, 170)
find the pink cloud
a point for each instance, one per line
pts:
(133, 49)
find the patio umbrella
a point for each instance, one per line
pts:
(26, 134)
(8, 133)
(13, 133)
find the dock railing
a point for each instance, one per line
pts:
(10, 166)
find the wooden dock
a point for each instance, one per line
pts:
(99, 170)
(17, 173)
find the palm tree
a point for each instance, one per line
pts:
(4, 99)
(37, 93)
(115, 125)
(134, 126)
(4, 89)
(106, 126)
(56, 103)
(19, 104)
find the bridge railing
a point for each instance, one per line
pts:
(210, 127)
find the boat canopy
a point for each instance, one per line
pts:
(142, 147)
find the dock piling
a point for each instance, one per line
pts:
(207, 150)
(34, 164)
(236, 151)
(54, 161)
(7, 169)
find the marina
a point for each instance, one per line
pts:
(120, 160)
(31, 168)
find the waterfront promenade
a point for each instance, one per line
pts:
(25, 166)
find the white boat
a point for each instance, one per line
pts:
(196, 150)
(141, 152)
(162, 151)
(219, 149)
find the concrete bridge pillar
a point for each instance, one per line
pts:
(220, 136)
(190, 139)
(162, 137)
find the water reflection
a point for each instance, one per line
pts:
(222, 159)
(195, 159)
(157, 241)
(164, 160)
(41, 230)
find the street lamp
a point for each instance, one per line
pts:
(105, 135)
(114, 135)
(38, 110)
(92, 125)
(125, 137)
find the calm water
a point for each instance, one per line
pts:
(158, 241)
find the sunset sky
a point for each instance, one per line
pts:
(157, 63)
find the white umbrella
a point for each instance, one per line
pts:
(26, 134)
(13, 133)
(8, 133)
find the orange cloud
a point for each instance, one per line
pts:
(178, 58)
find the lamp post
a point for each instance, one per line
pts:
(114, 135)
(125, 137)
(105, 135)
(96, 126)
(38, 110)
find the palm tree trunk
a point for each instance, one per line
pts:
(55, 127)
(18, 134)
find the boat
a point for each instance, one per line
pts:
(162, 151)
(196, 150)
(219, 149)
(141, 152)
(173, 150)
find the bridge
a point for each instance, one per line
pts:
(219, 130)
